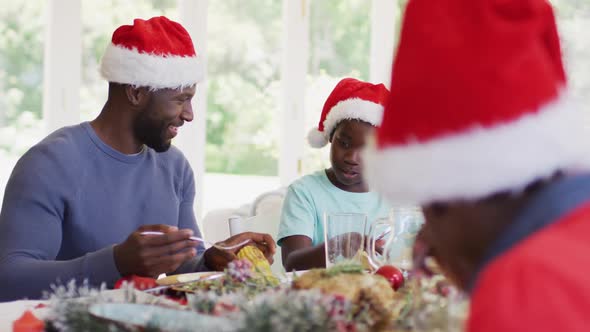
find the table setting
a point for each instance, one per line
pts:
(366, 286)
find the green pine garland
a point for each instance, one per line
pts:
(253, 306)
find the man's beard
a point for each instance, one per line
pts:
(151, 131)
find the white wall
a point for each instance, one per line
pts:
(62, 61)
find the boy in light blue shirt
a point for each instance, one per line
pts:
(352, 110)
(312, 195)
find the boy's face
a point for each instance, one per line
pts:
(345, 153)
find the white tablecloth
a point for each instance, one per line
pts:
(10, 311)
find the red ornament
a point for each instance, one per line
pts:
(140, 283)
(28, 323)
(392, 274)
(179, 300)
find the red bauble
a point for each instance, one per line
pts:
(392, 274)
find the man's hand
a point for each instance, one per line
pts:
(379, 245)
(217, 259)
(152, 255)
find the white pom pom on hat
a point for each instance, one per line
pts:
(316, 139)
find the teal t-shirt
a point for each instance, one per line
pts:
(313, 195)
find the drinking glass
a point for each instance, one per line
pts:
(407, 221)
(380, 237)
(344, 236)
(391, 239)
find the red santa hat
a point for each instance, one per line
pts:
(478, 104)
(157, 53)
(350, 99)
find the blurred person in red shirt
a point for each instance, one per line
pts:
(482, 133)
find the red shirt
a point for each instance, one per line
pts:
(540, 284)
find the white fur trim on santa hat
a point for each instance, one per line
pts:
(482, 161)
(349, 109)
(122, 65)
(316, 139)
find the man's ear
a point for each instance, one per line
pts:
(137, 96)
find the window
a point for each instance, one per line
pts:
(339, 47)
(21, 81)
(244, 62)
(244, 59)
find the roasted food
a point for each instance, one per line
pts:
(362, 289)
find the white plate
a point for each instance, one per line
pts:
(185, 277)
(288, 276)
(142, 315)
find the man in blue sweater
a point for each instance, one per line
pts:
(77, 203)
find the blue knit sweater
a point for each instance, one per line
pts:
(72, 197)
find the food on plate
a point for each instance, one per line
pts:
(260, 264)
(240, 276)
(362, 289)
